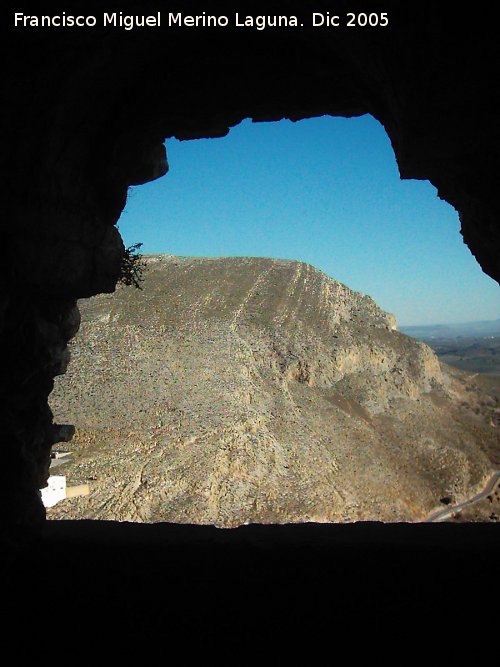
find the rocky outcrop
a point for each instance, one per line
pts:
(253, 390)
(87, 111)
(36, 336)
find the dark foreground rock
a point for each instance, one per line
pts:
(256, 588)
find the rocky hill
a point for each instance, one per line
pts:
(239, 390)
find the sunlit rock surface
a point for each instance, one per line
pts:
(237, 390)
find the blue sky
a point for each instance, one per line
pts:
(325, 191)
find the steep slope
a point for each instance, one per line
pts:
(237, 390)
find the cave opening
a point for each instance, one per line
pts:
(84, 118)
(85, 115)
(328, 197)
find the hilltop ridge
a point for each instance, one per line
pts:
(237, 390)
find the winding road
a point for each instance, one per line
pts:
(442, 515)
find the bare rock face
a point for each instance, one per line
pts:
(237, 390)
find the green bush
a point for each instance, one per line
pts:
(133, 267)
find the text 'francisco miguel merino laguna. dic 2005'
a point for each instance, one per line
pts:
(203, 20)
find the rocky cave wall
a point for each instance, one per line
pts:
(85, 115)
